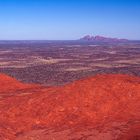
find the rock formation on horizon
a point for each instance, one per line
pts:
(102, 39)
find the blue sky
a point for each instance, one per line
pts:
(69, 19)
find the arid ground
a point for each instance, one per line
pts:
(103, 107)
(61, 62)
(69, 90)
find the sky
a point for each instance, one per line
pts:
(68, 19)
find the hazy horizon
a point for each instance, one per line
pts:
(69, 20)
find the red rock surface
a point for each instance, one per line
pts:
(10, 86)
(103, 107)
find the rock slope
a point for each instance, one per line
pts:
(103, 107)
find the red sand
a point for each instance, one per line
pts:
(103, 107)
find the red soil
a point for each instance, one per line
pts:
(104, 107)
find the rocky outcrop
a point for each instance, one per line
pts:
(102, 39)
(103, 107)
